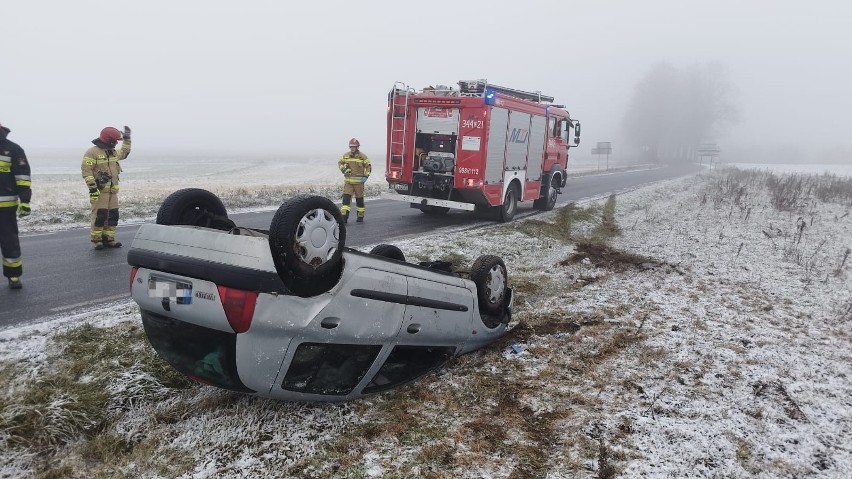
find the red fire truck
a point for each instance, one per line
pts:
(480, 147)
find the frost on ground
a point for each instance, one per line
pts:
(710, 339)
(61, 201)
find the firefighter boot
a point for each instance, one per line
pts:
(15, 283)
(99, 246)
(359, 209)
(346, 217)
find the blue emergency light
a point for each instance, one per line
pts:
(489, 97)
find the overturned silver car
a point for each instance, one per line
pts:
(291, 313)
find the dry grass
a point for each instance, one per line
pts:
(76, 397)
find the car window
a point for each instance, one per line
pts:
(330, 369)
(406, 363)
(203, 354)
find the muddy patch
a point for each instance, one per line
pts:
(604, 256)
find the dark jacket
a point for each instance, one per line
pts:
(14, 175)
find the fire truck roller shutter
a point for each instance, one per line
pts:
(439, 120)
(536, 153)
(517, 143)
(496, 153)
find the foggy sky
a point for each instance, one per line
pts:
(288, 77)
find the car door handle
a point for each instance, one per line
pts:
(330, 323)
(413, 328)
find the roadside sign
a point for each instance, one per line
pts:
(603, 148)
(708, 149)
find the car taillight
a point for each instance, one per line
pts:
(394, 174)
(239, 307)
(133, 272)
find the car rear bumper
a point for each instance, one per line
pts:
(221, 274)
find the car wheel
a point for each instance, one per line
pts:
(388, 251)
(489, 274)
(510, 205)
(548, 201)
(194, 207)
(306, 239)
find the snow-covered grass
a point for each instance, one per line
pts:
(689, 328)
(61, 200)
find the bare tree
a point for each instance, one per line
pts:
(674, 110)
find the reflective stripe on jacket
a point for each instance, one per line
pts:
(358, 165)
(15, 181)
(100, 168)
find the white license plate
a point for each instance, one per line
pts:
(178, 291)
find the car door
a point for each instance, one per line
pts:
(331, 353)
(436, 322)
(437, 313)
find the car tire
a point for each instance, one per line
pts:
(489, 274)
(388, 251)
(306, 239)
(194, 207)
(548, 201)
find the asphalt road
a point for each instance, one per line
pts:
(63, 274)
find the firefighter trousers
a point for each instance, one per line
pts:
(105, 216)
(350, 189)
(10, 245)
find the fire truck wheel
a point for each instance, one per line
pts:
(510, 205)
(194, 207)
(489, 274)
(548, 201)
(306, 239)
(388, 251)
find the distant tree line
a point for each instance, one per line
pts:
(673, 110)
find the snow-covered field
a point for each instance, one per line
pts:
(711, 338)
(61, 199)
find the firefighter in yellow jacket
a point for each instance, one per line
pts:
(100, 170)
(356, 168)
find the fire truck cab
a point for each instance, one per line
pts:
(480, 147)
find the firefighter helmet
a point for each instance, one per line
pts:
(109, 134)
(354, 143)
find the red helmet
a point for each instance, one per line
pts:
(354, 142)
(109, 134)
